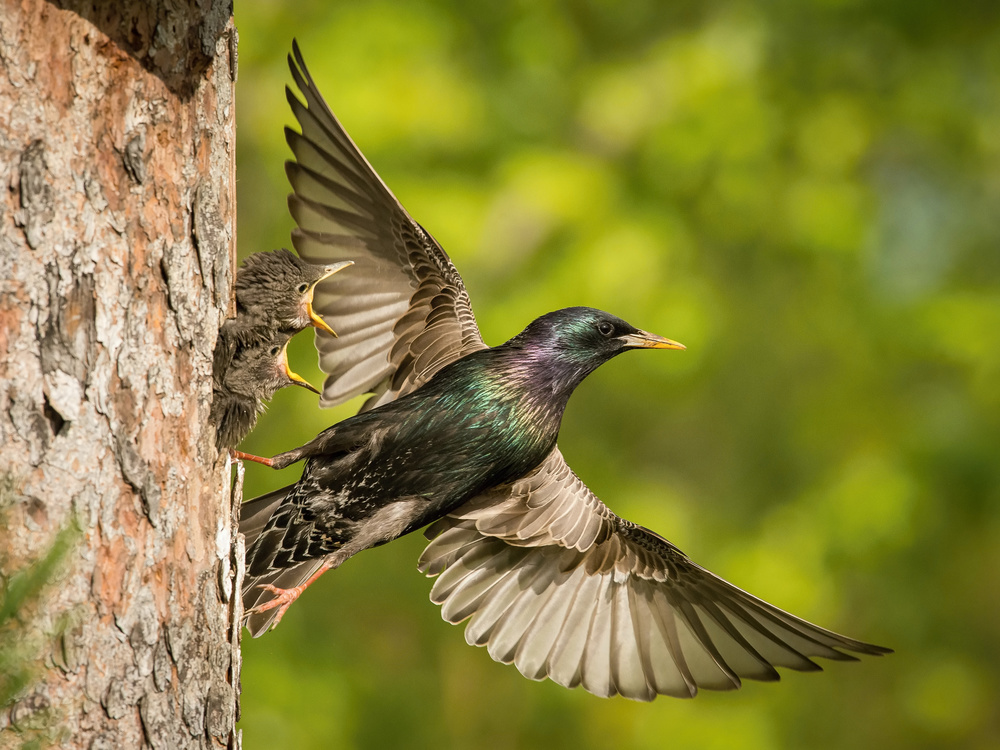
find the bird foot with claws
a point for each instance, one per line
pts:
(283, 599)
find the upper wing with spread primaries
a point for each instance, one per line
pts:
(402, 311)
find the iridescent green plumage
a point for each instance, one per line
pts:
(482, 421)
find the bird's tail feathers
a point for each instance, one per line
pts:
(254, 515)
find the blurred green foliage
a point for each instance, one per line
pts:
(806, 194)
(22, 591)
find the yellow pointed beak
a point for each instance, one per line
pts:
(317, 321)
(313, 316)
(294, 376)
(647, 340)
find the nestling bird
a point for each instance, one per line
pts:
(463, 437)
(245, 377)
(274, 292)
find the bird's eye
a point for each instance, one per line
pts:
(605, 328)
(303, 287)
(273, 351)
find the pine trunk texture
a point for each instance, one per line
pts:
(117, 249)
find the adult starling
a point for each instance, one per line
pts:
(462, 436)
(274, 292)
(245, 376)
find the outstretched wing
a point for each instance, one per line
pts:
(402, 311)
(553, 581)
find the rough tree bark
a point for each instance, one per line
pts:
(117, 244)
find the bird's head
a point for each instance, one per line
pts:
(262, 369)
(281, 280)
(577, 340)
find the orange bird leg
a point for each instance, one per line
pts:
(284, 597)
(250, 457)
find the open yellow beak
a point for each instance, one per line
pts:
(647, 340)
(294, 376)
(317, 321)
(313, 316)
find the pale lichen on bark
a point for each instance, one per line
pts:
(117, 239)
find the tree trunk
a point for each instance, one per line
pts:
(117, 246)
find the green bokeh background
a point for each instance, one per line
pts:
(807, 194)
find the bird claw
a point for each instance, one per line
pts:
(283, 599)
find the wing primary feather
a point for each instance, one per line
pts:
(766, 671)
(298, 172)
(628, 672)
(701, 638)
(480, 627)
(333, 153)
(665, 619)
(566, 658)
(751, 611)
(534, 652)
(595, 667)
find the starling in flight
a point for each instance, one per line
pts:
(251, 375)
(462, 436)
